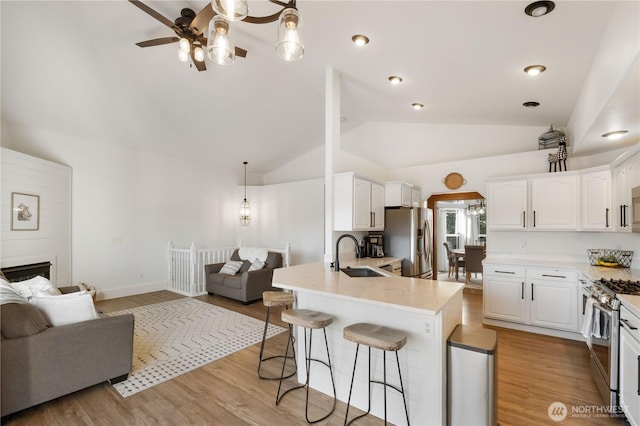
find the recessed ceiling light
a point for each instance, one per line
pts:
(539, 8)
(615, 135)
(360, 40)
(394, 79)
(535, 69)
(531, 104)
(417, 106)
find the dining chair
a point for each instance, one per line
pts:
(453, 259)
(473, 259)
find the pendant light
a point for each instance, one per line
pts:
(290, 46)
(232, 10)
(220, 47)
(245, 208)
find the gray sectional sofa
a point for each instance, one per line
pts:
(245, 286)
(40, 362)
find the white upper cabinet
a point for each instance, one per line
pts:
(554, 202)
(358, 203)
(595, 194)
(401, 194)
(507, 204)
(625, 176)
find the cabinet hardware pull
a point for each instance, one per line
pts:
(584, 304)
(504, 272)
(554, 276)
(621, 217)
(532, 292)
(374, 219)
(524, 222)
(534, 218)
(624, 209)
(638, 385)
(606, 217)
(626, 322)
(522, 290)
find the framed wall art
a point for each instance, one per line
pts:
(25, 212)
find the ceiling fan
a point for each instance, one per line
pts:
(189, 29)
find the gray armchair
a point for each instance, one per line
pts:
(245, 286)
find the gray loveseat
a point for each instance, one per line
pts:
(245, 286)
(40, 363)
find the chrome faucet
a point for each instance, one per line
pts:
(337, 262)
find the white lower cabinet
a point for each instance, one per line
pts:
(536, 297)
(504, 293)
(630, 371)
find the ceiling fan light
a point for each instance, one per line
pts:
(231, 10)
(183, 55)
(198, 53)
(290, 46)
(220, 46)
(184, 44)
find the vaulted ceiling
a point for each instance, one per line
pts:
(73, 67)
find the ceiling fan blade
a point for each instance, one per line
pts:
(201, 22)
(156, 15)
(157, 41)
(241, 52)
(200, 66)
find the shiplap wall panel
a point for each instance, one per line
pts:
(52, 241)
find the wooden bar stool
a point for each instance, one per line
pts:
(270, 299)
(309, 320)
(385, 339)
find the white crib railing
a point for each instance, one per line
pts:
(186, 266)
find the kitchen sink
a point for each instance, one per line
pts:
(361, 272)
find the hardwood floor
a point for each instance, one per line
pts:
(533, 372)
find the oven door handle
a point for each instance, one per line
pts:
(626, 324)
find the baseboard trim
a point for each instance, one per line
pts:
(533, 329)
(131, 290)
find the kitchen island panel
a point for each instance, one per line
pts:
(423, 359)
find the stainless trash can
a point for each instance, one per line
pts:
(471, 376)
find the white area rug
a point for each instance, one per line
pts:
(174, 337)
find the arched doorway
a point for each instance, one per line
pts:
(431, 203)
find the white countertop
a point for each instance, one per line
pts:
(414, 294)
(592, 272)
(631, 302)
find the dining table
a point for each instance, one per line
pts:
(458, 254)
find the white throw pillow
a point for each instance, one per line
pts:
(257, 264)
(35, 286)
(8, 294)
(247, 253)
(66, 309)
(231, 267)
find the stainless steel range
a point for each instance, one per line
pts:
(601, 328)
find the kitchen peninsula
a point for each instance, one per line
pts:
(426, 310)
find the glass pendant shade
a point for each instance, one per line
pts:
(220, 47)
(290, 46)
(231, 10)
(245, 213)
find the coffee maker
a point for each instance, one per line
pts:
(373, 245)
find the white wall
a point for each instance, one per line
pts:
(287, 213)
(127, 206)
(51, 242)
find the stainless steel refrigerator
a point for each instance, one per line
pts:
(408, 234)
